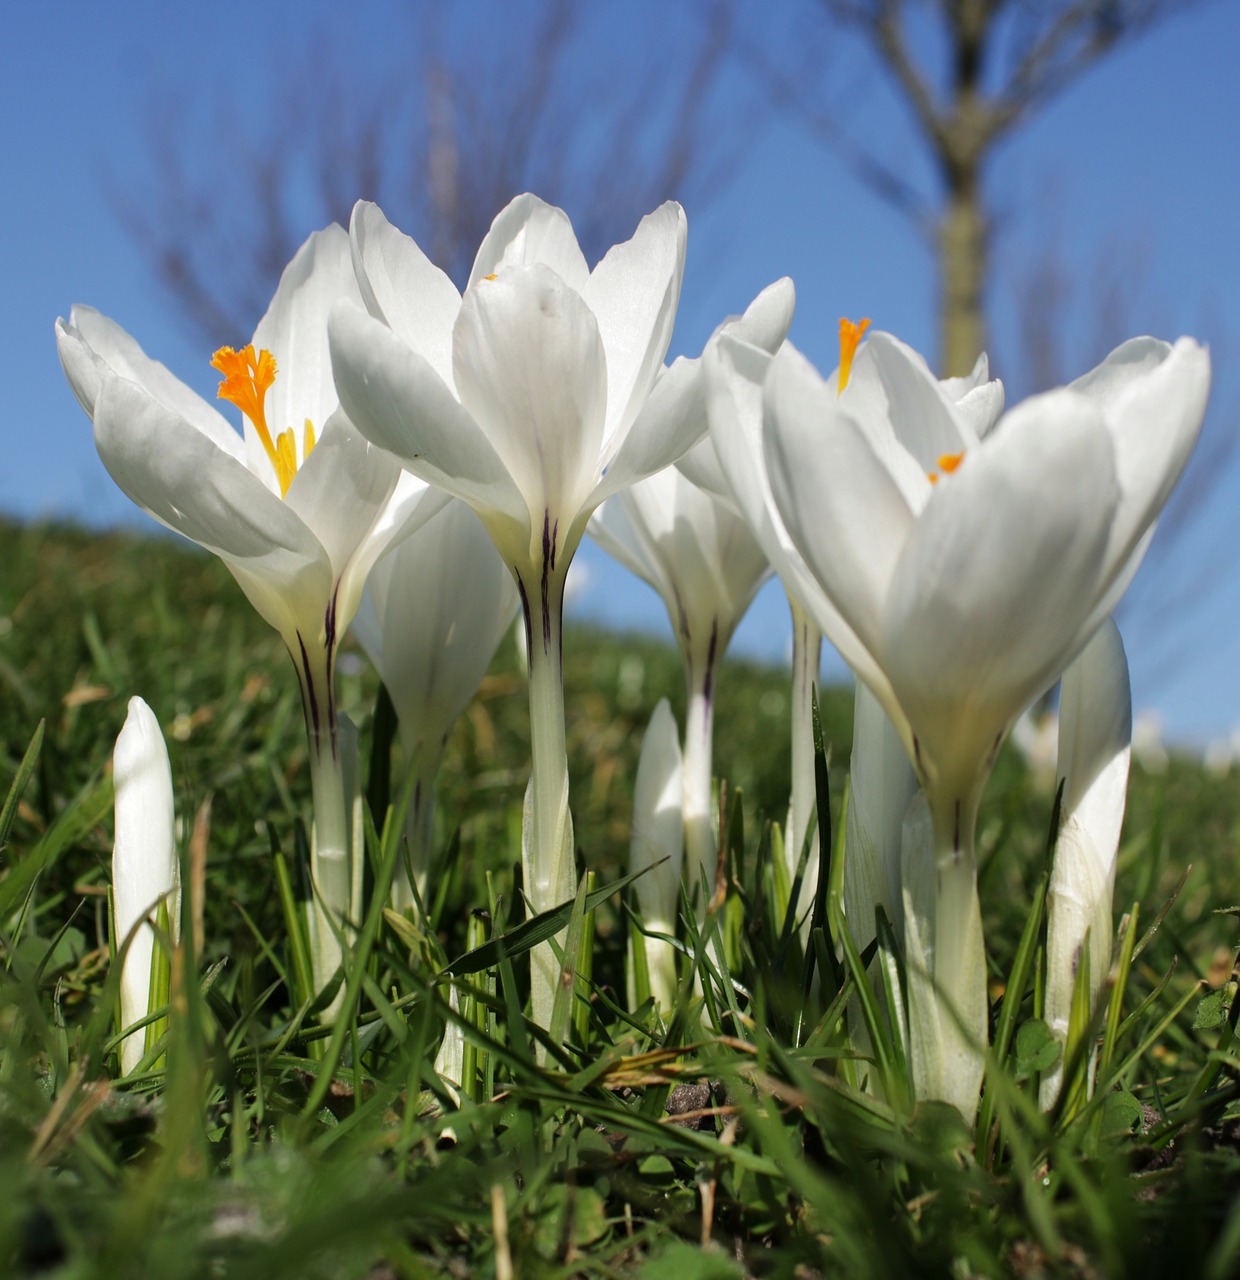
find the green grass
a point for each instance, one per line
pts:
(269, 1148)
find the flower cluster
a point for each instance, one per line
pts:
(452, 449)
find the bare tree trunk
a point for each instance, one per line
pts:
(962, 253)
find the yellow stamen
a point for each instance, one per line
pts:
(492, 276)
(308, 439)
(850, 339)
(247, 379)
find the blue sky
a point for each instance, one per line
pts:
(1134, 173)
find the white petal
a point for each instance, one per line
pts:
(340, 493)
(530, 369)
(144, 859)
(178, 476)
(403, 288)
(612, 526)
(658, 829)
(1130, 360)
(768, 317)
(530, 231)
(91, 346)
(671, 422)
(1095, 743)
(905, 411)
(1155, 419)
(982, 407)
(735, 377)
(988, 601)
(633, 293)
(394, 398)
(441, 602)
(701, 466)
(294, 330)
(842, 509)
(881, 787)
(1095, 740)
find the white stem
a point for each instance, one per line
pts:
(806, 657)
(957, 1000)
(419, 831)
(547, 850)
(331, 867)
(701, 848)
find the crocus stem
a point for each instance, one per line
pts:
(547, 849)
(806, 657)
(958, 958)
(701, 848)
(419, 830)
(330, 862)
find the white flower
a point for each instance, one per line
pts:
(298, 508)
(958, 575)
(536, 394)
(657, 843)
(1095, 745)
(434, 612)
(145, 872)
(533, 397)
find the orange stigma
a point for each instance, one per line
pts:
(850, 339)
(948, 462)
(247, 378)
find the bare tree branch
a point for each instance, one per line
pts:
(442, 151)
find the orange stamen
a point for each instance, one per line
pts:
(247, 379)
(850, 339)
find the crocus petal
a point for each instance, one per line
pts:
(986, 604)
(294, 329)
(768, 317)
(92, 346)
(437, 608)
(1130, 360)
(399, 403)
(614, 529)
(530, 368)
(658, 831)
(403, 288)
(671, 422)
(959, 387)
(764, 325)
(633, 294)
(911, 421)
(144, 861)
(1095, 737)
(881, 788)
(340, 492)
(1155, 420)
(852, 544)
(528, 231)
(735, 378)
(1095, 744)
(177, 475)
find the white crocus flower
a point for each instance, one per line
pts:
(657, 843)
(533, 397)
(1095, 745)
(692, 546)
(964, 574)
(435, 610)
(699, 555)
(298, 508)
(145, 871)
